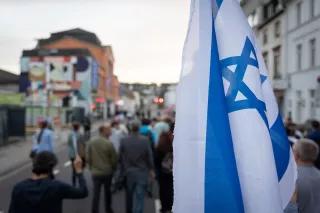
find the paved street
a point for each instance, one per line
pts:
(63, 172)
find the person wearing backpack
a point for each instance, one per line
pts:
(164, 163)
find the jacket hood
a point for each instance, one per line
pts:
(34, 191)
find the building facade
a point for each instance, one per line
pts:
(60, 77)
(78, 38)
(69, 71)
(303, 60)
(289, 36)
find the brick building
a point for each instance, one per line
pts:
(79, 38)
(69, 70)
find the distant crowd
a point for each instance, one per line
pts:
(129, 154)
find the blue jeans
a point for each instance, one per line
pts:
(136, 184)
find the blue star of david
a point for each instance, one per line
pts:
(237, 84)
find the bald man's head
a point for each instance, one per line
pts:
(105, 130)
(305, 151)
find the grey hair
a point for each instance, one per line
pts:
(307, 149)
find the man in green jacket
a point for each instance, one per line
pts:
(102, 160)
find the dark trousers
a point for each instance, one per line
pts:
(87, 133)
(136, 184)
(98, 182)
(73, 175)
(166, 191)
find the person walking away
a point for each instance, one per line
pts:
(308, 182)
(43, 140)
(40, 194)
(102, 160)
(76, 147)
(87, 127)
(116, 135)
(136, 161)
(35, 141)
(164, 164)
(146, 130)
(315, 136)
(161, 126)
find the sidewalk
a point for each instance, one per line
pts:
(16, 155)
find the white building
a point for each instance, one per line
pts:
(303, 59)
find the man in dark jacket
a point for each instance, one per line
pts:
(40, 193)
(136, 160)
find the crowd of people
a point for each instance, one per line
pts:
(126, 154)
(130, 155)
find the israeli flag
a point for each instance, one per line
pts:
(231, 152)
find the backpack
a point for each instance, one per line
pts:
(167, 163)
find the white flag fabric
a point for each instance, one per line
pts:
(231, 152)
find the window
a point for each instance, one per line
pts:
(312, 44)
(298, 92)
(253, 19)
(265, 57)
(298, 9)
(272, 8)
(312, 103)
(299, 56)
(312, 93)
(277, 31)
(270, 11)
(276, 63)
(312, 8)
(265, 36)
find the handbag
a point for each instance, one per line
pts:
(33, 154)
(118, 181)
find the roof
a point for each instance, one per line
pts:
(76, 33)
(8, 77)
(124, 91)
(56, 52)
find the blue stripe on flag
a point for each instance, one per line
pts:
(222, 186)
(281, 146)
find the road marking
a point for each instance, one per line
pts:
(66, 164)
(157, 205)
(56, 171)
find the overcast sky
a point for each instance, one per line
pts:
(147, 36)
